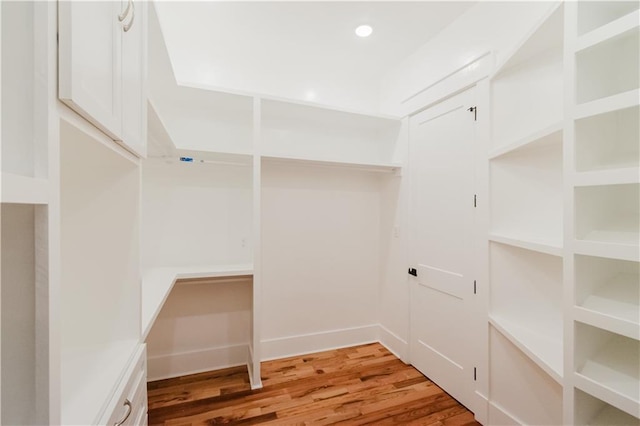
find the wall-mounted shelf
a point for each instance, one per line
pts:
(594, 412)
(158, 282)
(367, 167)
(607, 367)
(295, 131)
(608, 141)
(538, 347)
(608, 214)
(608, 68)
(543, 138)
(609, 31)
(551, 247)
(24, 190)
(593, 15)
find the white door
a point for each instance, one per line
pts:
(442, 219)
(89, 61)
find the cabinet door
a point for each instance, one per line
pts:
(90, 38)
(134, 76)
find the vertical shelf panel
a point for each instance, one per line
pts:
(608, 141)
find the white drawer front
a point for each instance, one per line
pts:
(130, 401)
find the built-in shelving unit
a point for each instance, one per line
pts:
(526, 235)
(603, 56)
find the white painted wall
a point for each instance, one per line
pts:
(320, 258)
(201, 327)
(18, 314)
(195, 214)
(487, 26)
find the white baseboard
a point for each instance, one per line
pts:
(397, 346)
(317, 342)
(499, 416)
(481, 410)
(180, 364)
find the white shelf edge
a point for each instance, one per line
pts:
(607, 177)
(608, 31)
(606, 322)
(503, 328)
(371, 167)
(607, 250)
(528, 244)
(608, 395)
(24, 190)
(528, 140)
(157, 283)
(503, 65)
(611, 103)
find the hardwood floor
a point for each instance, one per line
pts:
(359, 385)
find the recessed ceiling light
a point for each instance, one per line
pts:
(364, 31)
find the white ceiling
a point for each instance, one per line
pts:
(298, 50)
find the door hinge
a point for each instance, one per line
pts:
(475, 200)
(413, 271)
(475, 374)
(475, 289)
(474, 110)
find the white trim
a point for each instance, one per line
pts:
(394, 344)
(191, 362)
(302, 344)
(504, 417)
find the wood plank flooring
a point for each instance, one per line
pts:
(356, 386)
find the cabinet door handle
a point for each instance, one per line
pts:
(126, 27)
(127, 404)
(124, 14)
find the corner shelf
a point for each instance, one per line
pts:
(158, 282)
(24, 190)
(533, 345)
(367, 167)
(607, 367)
(543, 138)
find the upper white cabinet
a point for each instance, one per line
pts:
(102, 67)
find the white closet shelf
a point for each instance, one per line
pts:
(547, 246)
(616, 102)
(615, 176)
(609, 31)
(607, 249)
(608, 321)
(541, 349)
(24, 189)
(542, 138)
(89, 377)
(363, 166)
(157, 283)
(612, 374)
(612, 416)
